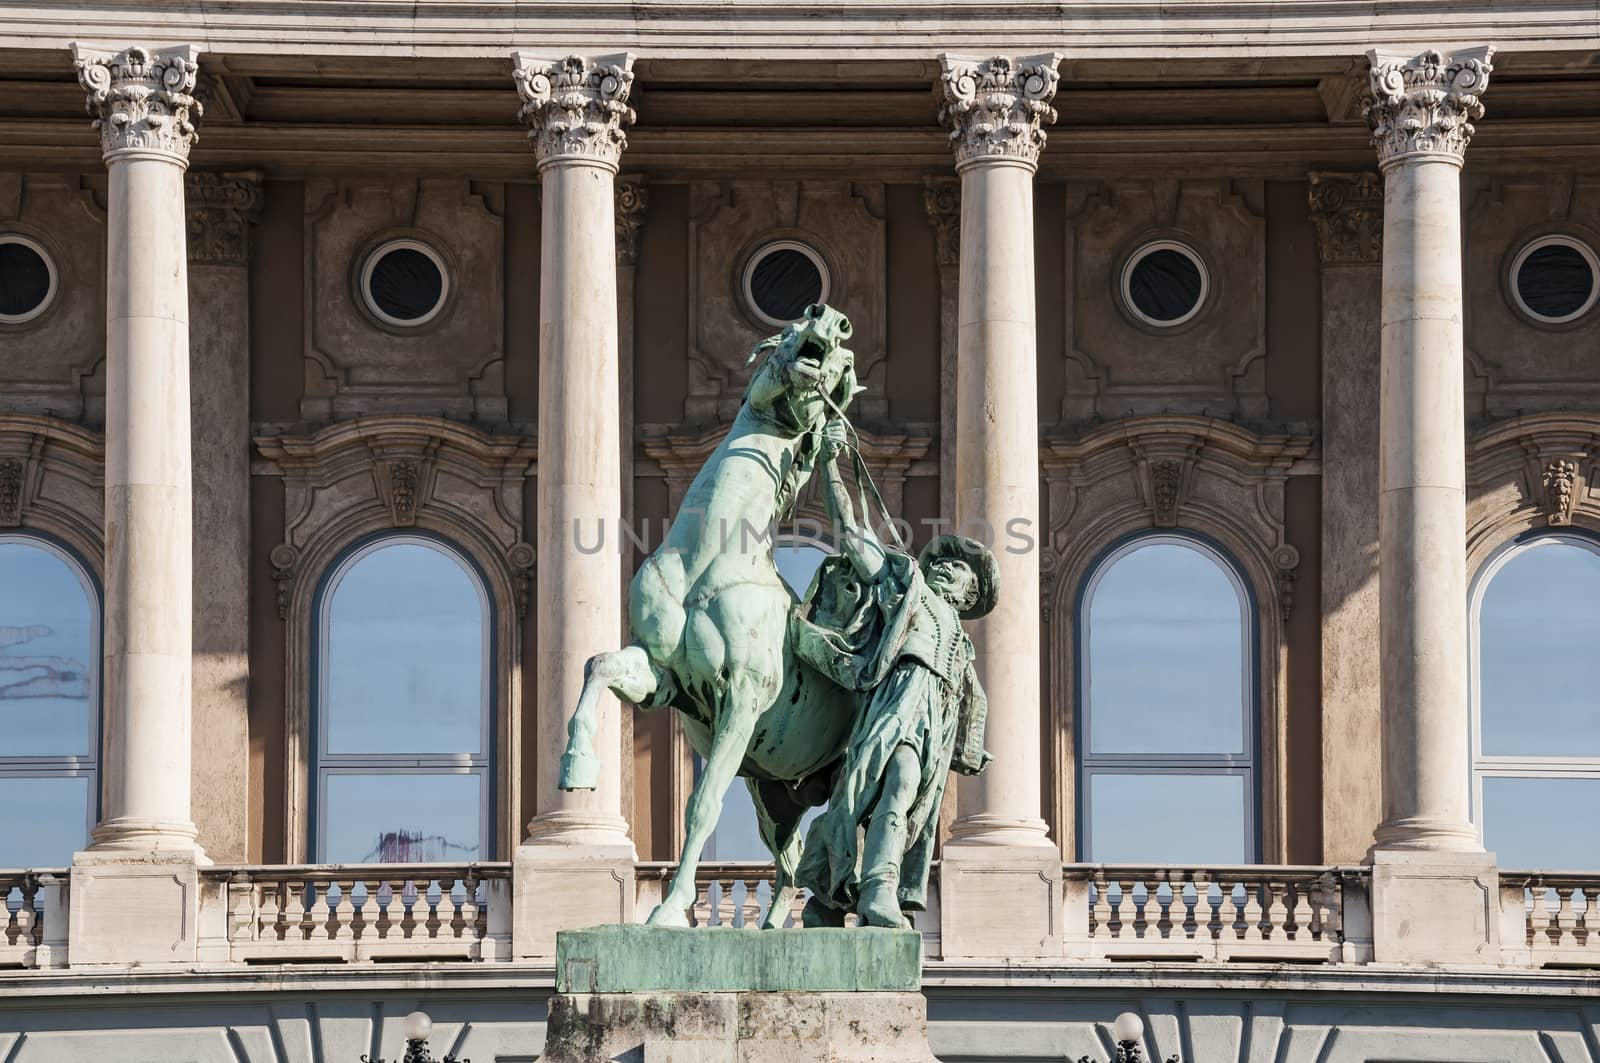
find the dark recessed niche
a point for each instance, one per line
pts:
(783, 279)
(1164, 284)
(1554, 279)
(26, 280)
(404, 283)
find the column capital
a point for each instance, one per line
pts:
(575, 108)
(1423, 106)
(995, 108)
(219, 209)
(1347, 209)
(141, 99)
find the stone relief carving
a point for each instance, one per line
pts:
(355, 365)
(632, 198)
(1522, 367)
(141, 99)
(52, 478)
(1347, 209)
(220, 208)
(1524, 473)
(731, 220)
(1201, 474)
(941, 198)
(998, 106)
(1213, 364)
(363, 477)
(575, 107)
(1425, 104)
(59, 369)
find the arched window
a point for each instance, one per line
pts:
(49, 703)
(1536, 731)
(403, 707)
(1166, 707)
(737, 835)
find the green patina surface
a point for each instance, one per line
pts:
(645, 959)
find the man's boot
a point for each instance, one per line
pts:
(816, 913)
(878, 903)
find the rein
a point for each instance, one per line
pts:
(864, 481)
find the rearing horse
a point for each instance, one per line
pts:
(710, 618)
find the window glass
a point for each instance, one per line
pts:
(25, 279)
(406, 284)
(406, 649)
(1541, 823)
(1555, 280)
(1176, 819)
(1538, 620)
(45, 819)
(784, 282)
(404, 818)
(1166, 649)
(48, 645)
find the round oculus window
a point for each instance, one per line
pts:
(27, 279)
(1164, 283)
(782, 279)
(1553, 279)
(404, 283)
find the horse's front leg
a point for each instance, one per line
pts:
(748, 695)
(627, 673)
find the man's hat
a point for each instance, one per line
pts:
(975, 556)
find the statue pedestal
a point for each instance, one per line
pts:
(670, 995)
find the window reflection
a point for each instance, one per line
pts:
(1167, 706)
(1537, 758)
(49, 703)
(404, 721)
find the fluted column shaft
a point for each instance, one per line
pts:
(1421, 116)
(576, 109)
(142, 104)
(994, 109)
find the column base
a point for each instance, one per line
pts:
(577, 872)
(126, 839)
(1426, 834)
(998, 899)
(1432, 907)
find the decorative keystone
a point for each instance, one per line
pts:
(141, 99)
(1423, 106)
(575, 108)
(996, 108)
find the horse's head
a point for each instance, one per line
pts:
(805, 362)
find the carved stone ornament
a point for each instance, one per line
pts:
(941, 198)
(1347, 209)
(1166, 485)
(575, 108)
(141, 99)
(632, 199)
(10, 492)
(1423, 106)
(1530, 472)
(52, 479)
(1560, 478)
(220, 208)
(996, 108)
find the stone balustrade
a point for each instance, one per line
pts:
(1549, 918)
(33, 923)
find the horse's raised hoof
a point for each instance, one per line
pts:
(579, 771)
(668, 915)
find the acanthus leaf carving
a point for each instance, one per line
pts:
(576, 107)
(522, 558)
(996, 108)
(1560, 483)
(1424, 105)
(941, 198)
(632, 200)
(219, 209)
(1347, 209)
(141, 99)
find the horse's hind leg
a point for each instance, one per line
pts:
(778, 813)
(627, 673)
(747, 696)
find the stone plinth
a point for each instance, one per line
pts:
(660, 994)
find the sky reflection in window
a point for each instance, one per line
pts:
(47, 649)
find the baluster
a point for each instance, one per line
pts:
(12, 932)
(1201, 918)
(1100, 911)
(1538, 917)
(480, 897)
(700, 911)
(1161, 909)
(318, 914)
(296, 927)
(1278, 925)
(456, 925)
(1332, 911)
(1585, 914)
(244, 906)
(1252, 911)
(409, 897)
(361, 914)
(465, 923)
(434, 897)
(1566, 919)
(1127, 915)
(1230, 928)
(385, 897)
(26, 915)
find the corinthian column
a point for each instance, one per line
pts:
(1429, 865)
(577, 866)
(143, 108)
(1000, 883)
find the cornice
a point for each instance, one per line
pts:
(839, 29)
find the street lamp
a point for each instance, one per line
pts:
(1128, 1029)
(416, 1027)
